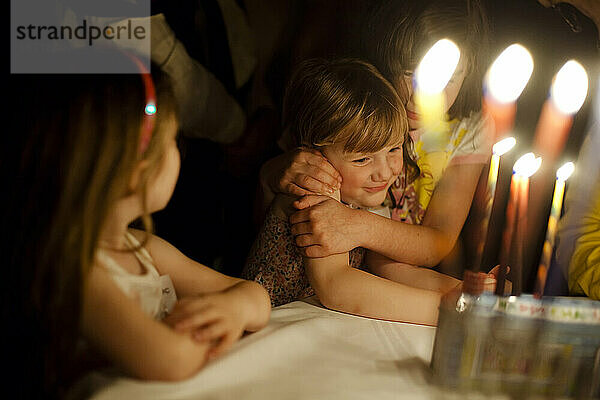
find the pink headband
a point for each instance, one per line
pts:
(150, 107)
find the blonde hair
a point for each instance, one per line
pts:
(346, 101)
(343, 101)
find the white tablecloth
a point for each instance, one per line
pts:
(308, 352)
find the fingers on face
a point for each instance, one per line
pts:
(309, 183)
(329, 180)
(295, 190)
(319, 161)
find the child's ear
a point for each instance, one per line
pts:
(136, 175)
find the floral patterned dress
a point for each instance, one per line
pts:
(275, 262)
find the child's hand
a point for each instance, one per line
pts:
(211, 318)
(507, 284)
(476, 283)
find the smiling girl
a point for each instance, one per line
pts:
(351, 114)
(428, 213)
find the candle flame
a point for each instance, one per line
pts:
(527, 165)
(570, 87)
(509, 74)
(437, 67)
(503, 146)
(564, 172)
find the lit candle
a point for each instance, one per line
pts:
(498, 150)
(504, 82)
(516, 212)
(568, 92)
(431, 77)
(562, 175)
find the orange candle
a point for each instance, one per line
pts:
(567, 94)
(507, 235)
(516, 221)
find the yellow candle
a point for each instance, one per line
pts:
(431, 77)
(562, 175)
(499, 149)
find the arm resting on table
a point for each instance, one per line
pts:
(143, 347)
(411, 275)
(342, 288)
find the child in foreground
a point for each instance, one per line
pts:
(95, 159)
(354, 117)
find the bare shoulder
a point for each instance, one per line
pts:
(158, 248)
(189, 277)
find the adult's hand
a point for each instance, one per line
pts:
(325, 226)
(301, 172)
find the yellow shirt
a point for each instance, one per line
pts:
(584, 268)
(465, 142)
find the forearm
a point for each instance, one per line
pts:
(427, 244)
(115, 325)
(411, 275)
(254, 304)
(402, 242)
(357, 292)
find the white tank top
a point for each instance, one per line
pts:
(154, 293)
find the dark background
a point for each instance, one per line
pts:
(210, 217)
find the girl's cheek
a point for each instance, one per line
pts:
(396, 163)
(353, 178)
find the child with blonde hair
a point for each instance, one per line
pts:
(427, 213)
(346, 110)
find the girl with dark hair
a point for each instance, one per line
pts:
(95, 153)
